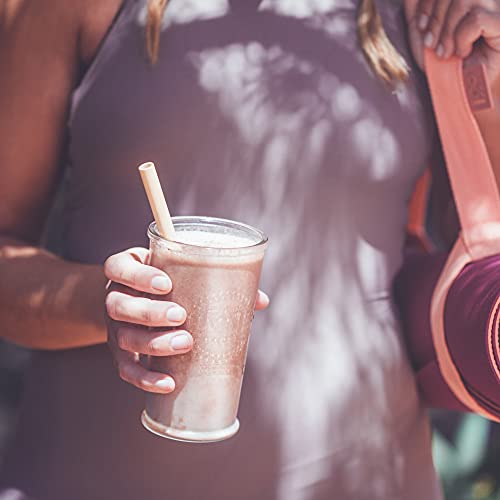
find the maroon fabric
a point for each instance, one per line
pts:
(468, 309)
(469, 306)
(434, 389)
(413, 288)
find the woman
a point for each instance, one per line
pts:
(298, 117)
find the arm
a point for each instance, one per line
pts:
(414, 288)
(469, 29)
(45, 302)
(415, 283)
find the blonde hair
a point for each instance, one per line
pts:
(386, 62)
(156, 8)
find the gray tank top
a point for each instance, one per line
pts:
(264, 112)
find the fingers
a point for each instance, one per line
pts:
(143, 311)
(423, 13)
(434, 21)
(262, 301)
(143, 341)
(446, 46)
(452, 26)
(128, 268)
(478, 23)
(131, 371)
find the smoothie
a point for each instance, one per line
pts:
(215, 267)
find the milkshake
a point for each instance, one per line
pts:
(215, 266)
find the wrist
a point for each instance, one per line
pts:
(78, 307)
(90, 309)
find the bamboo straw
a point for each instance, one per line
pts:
(157, 200)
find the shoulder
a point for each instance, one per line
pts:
(39, 15)
(71, 26)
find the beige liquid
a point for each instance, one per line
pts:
(214, 240)
(218, 294)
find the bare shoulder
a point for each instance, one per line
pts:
(15, 15)
(44, 45)
(67, 24)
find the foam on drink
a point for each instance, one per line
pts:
(215, 240)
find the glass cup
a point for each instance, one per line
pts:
(215, 268)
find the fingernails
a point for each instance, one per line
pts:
(180, 342)
(176, 313)
(264, 297)
(166, 384)
(161, 283)
(428, 40)
(440, 51)
(423, 20)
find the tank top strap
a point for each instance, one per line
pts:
(120, 25)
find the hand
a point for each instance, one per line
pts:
(130, 314)
(464, 28)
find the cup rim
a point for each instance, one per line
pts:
(260, 245)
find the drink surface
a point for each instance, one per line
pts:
(213, 239)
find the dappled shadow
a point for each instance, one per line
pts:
(272, 118)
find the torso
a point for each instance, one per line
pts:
(264, 112)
